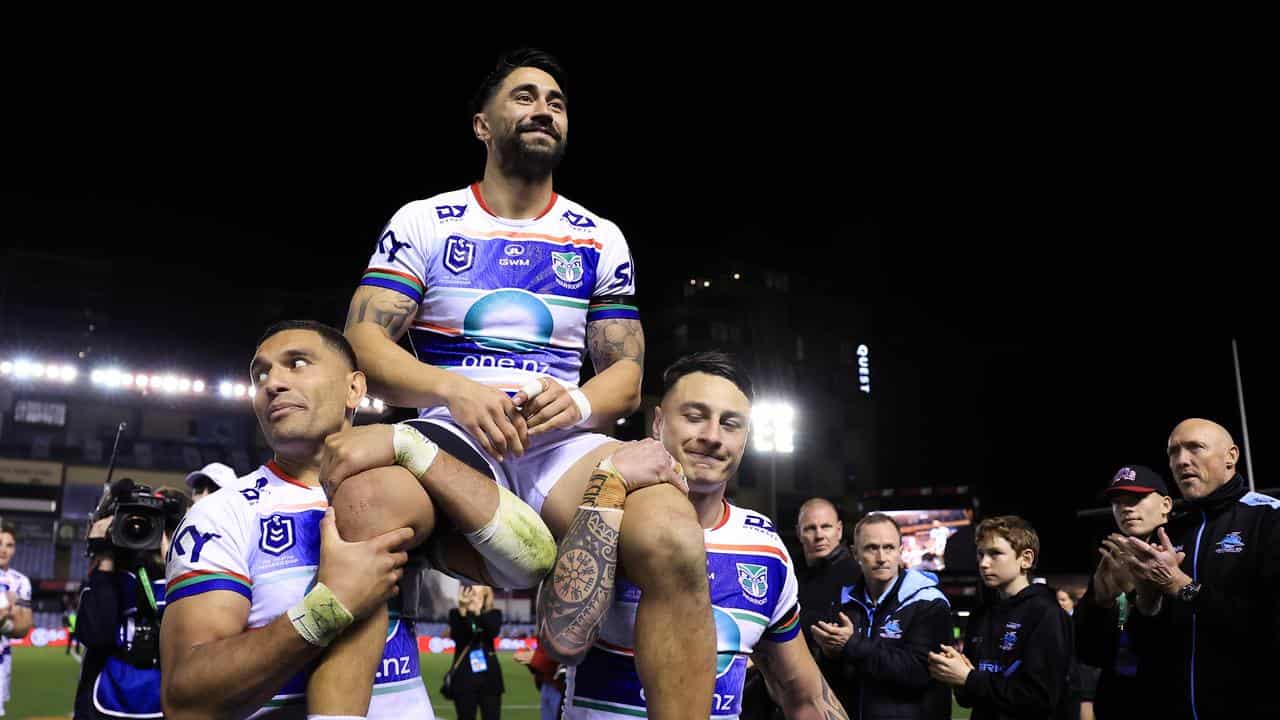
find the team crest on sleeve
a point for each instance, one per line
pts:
(459, 254)
(568, 269)
(754, 580)
(277, 534)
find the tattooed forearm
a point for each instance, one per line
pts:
(573, 601)
(615, 339)
(830, 705)
(391, 311)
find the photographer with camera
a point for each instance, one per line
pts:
(118, 623)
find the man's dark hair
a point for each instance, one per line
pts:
(711, 362)
(508, 63)
(331, 336)
(8, 527)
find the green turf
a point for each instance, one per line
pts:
(44, 685)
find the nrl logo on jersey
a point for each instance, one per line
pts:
(277, 534)
(754, 580)
(568, 269)
(459, 254)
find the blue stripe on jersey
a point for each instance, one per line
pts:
(209, 586)
(608, 677)
(619, 313)
(739, 584)
(403, 288)
(533, 265)
(446, 351)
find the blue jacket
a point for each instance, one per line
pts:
(885, 664)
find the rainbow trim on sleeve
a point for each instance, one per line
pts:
(605, 309)
(401, 282)
(203, 581)
(786, 629)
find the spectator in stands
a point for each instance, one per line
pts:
(209, 479)
(477, 677)
(118, 623)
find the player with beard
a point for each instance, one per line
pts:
(501, 287)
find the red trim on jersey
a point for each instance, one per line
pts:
(197, 573)
(475, 190)
(767, 549)
(280, 473)
(723, 518)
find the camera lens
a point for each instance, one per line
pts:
(136, 528)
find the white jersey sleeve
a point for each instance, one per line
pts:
(210, 549)
(615, 273)
(400, 260)
(784, 623)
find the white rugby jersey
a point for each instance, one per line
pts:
(263, 542)
(20, 585)
(753, 598)
(502, 301)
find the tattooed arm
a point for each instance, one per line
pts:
(795, 682)
(617, 351)
(376, 321)
(575, 597)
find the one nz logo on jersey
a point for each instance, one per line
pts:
(277, 534)
(754, 580)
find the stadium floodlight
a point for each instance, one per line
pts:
(773, 431)
(238, 390)
(6, 368)
(773, 427)
(184, 385)
(379, 405)
(225, 389)
(67, 374)
(197, 387)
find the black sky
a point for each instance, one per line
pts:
(1055, 249)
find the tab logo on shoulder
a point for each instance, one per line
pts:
(754, 580)
(277, 534)
(450, 212)
(578, 221)
(1230, 543)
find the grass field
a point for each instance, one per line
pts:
(44, 686)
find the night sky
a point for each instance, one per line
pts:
(1054, 254)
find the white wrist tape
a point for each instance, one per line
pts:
(584, 405)
(7, 626)
(319, 616)
(414, 452)
(516, 545)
